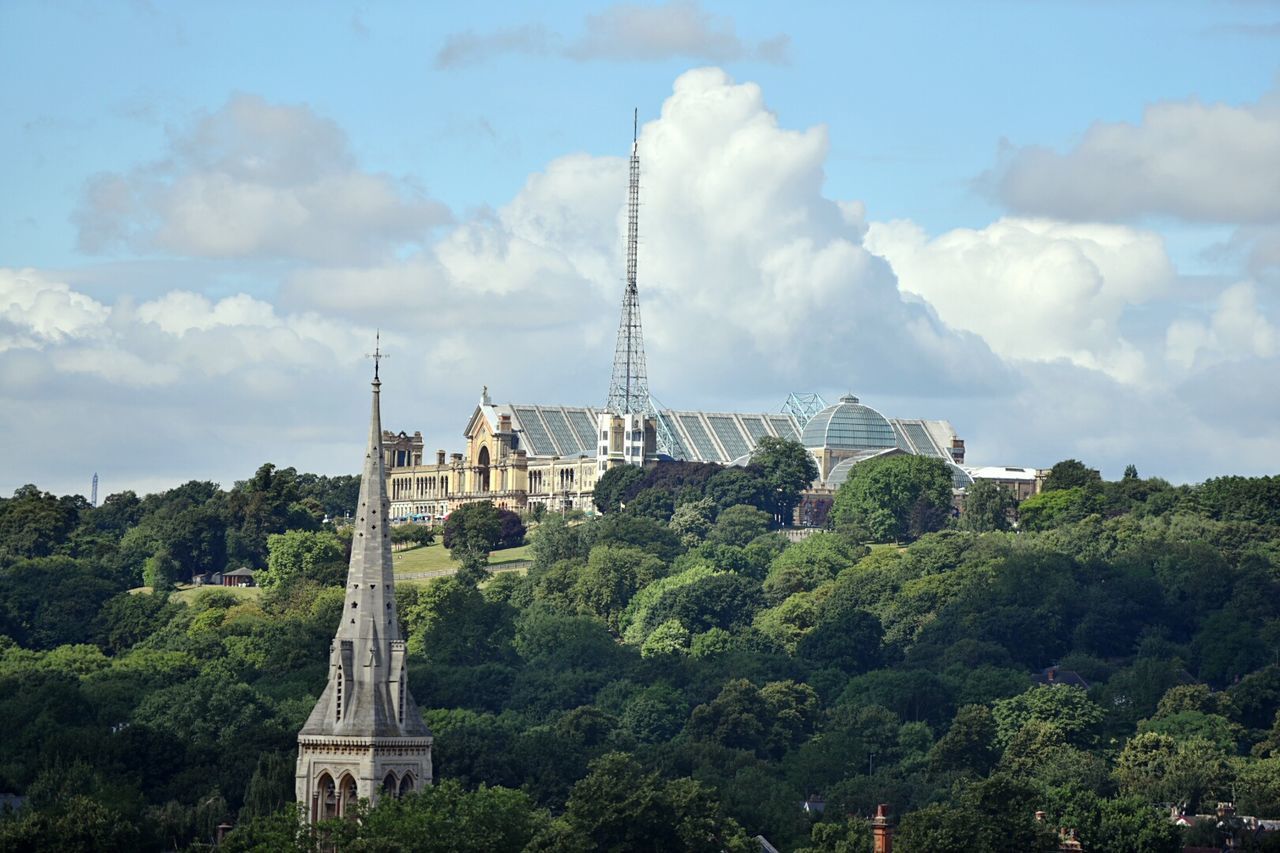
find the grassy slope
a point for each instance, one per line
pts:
(427, 558)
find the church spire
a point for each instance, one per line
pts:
(366, 704)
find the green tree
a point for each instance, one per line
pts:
(314, 555)
(1065, 708)
(1070, 474)
(159, 571)
(884, 495)
(555, 539)
(608, 492)
(271, 787)
(611, 577)
(968, 745)
(1157, 767)
(735, 486)
(809, 563)
(691, 521)
(787, 469)
(987, 506)
(618, 806)
(739, 525)
(470, 532)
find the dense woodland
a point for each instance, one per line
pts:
(671, 675)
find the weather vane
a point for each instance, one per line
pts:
(377, 355)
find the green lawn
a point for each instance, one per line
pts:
(430, 558)
(189, 594)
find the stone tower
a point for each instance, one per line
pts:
(365, 737)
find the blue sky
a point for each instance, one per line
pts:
(1048, 222)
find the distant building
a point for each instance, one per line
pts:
(1022, 482)
(1057, 675)
(519, 455)
(239, 577)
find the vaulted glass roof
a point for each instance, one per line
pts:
(849, 425)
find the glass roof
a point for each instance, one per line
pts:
(849, 425)
(730, 439)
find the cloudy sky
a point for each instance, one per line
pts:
(1055, 224)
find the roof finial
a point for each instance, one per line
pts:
(377, 355)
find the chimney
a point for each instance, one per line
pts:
(504, 423)
(957, 450)
(881, 830)
(439, 457)
(456, 457)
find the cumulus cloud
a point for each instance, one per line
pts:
(1195, 161)
(256, 179)
(35, 310)
(1033, 288)
(753, 283)
(746, 270)
(680, 29)
(1237, 330)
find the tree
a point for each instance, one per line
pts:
(555, 540)
(452, 623)
(1157, 767)
(987, 506)
(735, 486)
(1071, 474)
(1055, 508)
(613, 484)
(299, 555)
(159, 571)
(739, 525)
(1066, 708)
(968, 745)
(787, 469)
(611, 577)
(883, 495)
(848, 639)
(807, 564)
(470, 532)
(511, 529)
(618, 806)
(691, 521)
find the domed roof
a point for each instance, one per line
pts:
(848, 425)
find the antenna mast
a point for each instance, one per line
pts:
(629, 388)
(93, 496)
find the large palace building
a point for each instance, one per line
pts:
(520, 455)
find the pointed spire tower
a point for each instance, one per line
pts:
(365, 738)
(629, 387)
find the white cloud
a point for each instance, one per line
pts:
(746, 270)
(35, 310)
(1035, 289)
(680, 29)
(1237, 330)
(257, 180)
(753, 283)
(1196, 161)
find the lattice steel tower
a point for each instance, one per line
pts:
(629, 387)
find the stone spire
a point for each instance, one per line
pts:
(366, 708)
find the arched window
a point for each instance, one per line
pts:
(406, 784)
(482, 472)
(326, 798)
(389, 786)
(347, 796)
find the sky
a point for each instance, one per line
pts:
(1054, 224)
